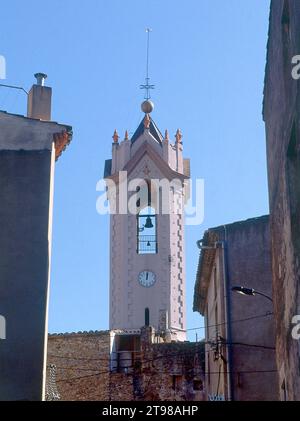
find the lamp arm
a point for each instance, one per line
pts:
(263, 295)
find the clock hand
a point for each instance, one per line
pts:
(147, 276)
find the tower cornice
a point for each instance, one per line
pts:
(147, 150)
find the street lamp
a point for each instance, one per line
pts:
(249, 291)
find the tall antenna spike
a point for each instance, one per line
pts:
(147, 86)
(148, 30)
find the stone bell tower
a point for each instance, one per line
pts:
(147, 181)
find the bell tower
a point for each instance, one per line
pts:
(147, 181)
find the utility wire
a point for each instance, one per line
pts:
(233, 321)
(211, 373)
(14, 87)
(81, 358)
(185, 354)
(194, 328)
(271, 348)
(82, 377)
(177, 353)
(151, 360)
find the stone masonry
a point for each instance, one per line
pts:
(161, 371)
(281, 114)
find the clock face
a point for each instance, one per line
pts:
(146, 278)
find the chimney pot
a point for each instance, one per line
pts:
(40, 78)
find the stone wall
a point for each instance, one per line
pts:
(171, 372)
(82, 365)
(162, 371)
(282, 119)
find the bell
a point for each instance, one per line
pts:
(148, 244)
(148, 223)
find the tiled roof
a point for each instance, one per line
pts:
(91, 332)
(107, 168)
(154, 130)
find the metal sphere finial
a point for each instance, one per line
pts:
(147, 106)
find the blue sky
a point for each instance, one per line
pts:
(207, 61)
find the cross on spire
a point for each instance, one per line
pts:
(147, 86)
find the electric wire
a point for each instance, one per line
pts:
(204, 373)
(178, 353)
(149, 360)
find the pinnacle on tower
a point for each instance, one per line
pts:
(178, 136)
(147, 121)
(115, 136)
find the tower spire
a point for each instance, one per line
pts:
(147, 85)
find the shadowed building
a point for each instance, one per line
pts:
(281, 113)
(29, 147)
(239, 334)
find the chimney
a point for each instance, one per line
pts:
(39, 99)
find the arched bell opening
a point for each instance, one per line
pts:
(147, 231)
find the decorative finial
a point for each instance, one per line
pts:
(126, 135)
(166, 134)
(147, 121)
(116, 136)
(147, 106)
(178, 136)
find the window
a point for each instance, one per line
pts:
(283, 394)
(126, 353)
(198, 385)
(147, 316)
(176, 382)
(286, 46)
(215, 283)
(146, 231)
(285, 22)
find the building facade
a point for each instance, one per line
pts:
(29, 146)
(239, 331)
(281, 113)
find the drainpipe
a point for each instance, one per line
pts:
(227, 292)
